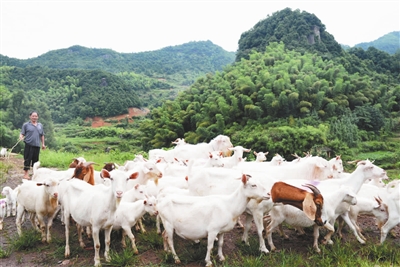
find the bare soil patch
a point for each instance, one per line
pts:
(132, 112)
(297, 244)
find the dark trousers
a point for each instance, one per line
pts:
(31, 155)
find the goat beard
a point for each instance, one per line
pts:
(117, 202)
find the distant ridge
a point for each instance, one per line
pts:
(200, 57)
(389, 43)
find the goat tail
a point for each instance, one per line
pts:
(36, 166)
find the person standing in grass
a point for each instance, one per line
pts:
(32, 133)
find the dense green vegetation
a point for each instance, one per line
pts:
(284, 94)
(281, 100)
(388, 43)
(78, 83)
(298, 30)
(184, 62)
(70, 93)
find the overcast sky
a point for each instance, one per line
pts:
(30, 28)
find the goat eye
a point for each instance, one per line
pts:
(253, 185)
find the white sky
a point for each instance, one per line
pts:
(31, 28)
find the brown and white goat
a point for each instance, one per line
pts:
(310, 203)
(85, 171)
(76, 161)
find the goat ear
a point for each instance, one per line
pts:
(134, 175)
(105, 174)
(309, 207)
(244, 179)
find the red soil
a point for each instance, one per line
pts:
(132, 112)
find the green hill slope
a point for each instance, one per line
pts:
(389, 43)
(298, 30)
(181, 64)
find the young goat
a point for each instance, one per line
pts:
(3, 210)
(11, 196)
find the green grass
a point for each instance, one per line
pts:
(5, 166)
(5, 253)
(28, 241)
(61, 160)
(125, 257)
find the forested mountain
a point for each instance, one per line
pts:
(389, 43)
(69, 85)
(302, 31)
(69, 94)
(187, 60)
(292, 88)
(71, 81)
(298, 30)
(261, 102)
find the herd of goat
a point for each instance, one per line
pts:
(200, 191)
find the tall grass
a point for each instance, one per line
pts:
(61, 160)
(5, 166)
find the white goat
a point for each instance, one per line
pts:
(393, 201)
(93, 206)
(366, 205)
(40, 174)
(337, 166)
(144, 171)
(260, 156)
(312, 168)
(40, 199)
(189, 151)
(3, 211)
(3, 152)
(193, 217)
(128, 213)
(179, 142)
(236, 158)
(11, 196)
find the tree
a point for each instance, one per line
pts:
(369, 118)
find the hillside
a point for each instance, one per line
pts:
(181, 63)
(301, 31)
(278, 87)
(389, 43)
(291, 88)
(80, 82)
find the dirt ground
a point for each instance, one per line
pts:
(132, 112)
(300, 244)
